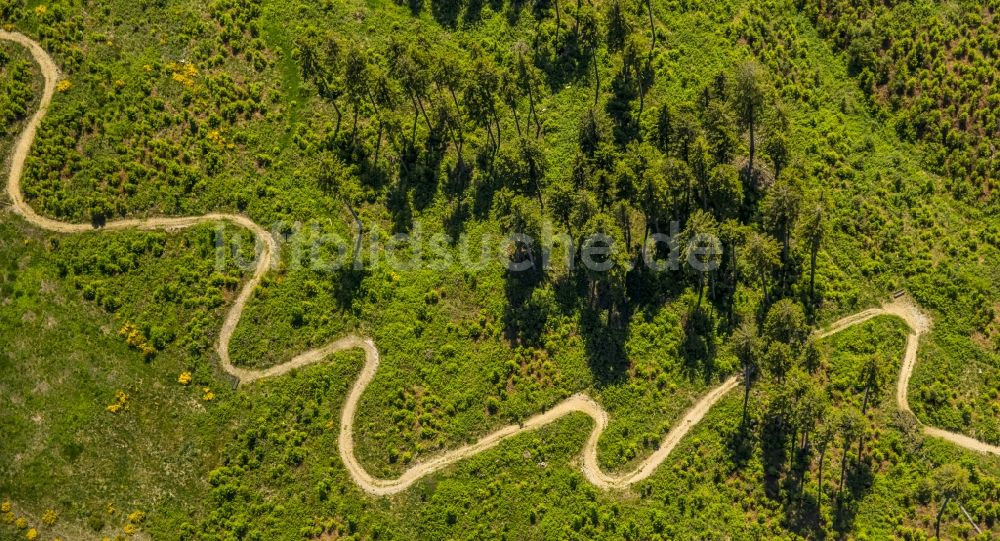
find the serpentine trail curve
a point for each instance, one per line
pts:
(919, 324)
(578, 403)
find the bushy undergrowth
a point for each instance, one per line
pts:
(475, 119)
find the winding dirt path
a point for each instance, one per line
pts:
(267, 252)
(919, 324)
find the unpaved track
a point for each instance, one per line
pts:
(579, 403)
(919, 324)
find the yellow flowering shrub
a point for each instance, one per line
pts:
(111, 508)
(5, 507)
(130, 529)
(209, 395)
(31, 535)
(137, 517)
(216, 137)
(49, 517)
(8, 517)
(21, 523)
(184, 378)
(136, 340)
(183, 73)
(41, 10)
(64, 85)
(120, 404)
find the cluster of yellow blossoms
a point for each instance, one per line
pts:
(135, 518)
(21, 523)
(216, 137)
(135, 339)
(206, 392)
(120, 403)
(183, 72)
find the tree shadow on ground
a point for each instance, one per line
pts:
(563, 61)
(845, 512)
(774, 439)
(419, 171)
(619, 109)
(455, 218)
(458, 178)
(484, 185)
(525, 316)
(398, 204)
(647, 288)
(802, 516)
(446, 12)
(740, 444)
(347, 284)
(513, 11)
(860, 478)
(801, 509)
(473, 11)
(567, 288)
(699, 348)
(415, 6)
(604, 342)
(375, 175)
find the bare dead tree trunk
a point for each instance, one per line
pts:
(819, 487)
(969, 518)
(423, 111)
(576, 22)
(517, 122)
(812, 278)
(354, 125)
(557, 20)
(597, 77)
(496, 119)
(336, 126)
(357, 239)
(416, 115)
(843, 466)
(937, 526)
(378, 143)
(534, 113)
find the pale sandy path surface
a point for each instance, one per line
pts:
(579, 403)
(919, 324)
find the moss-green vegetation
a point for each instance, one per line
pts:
(63, 364)
(928, 70)
(777, 126)
(18, 90)
(171, 305)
